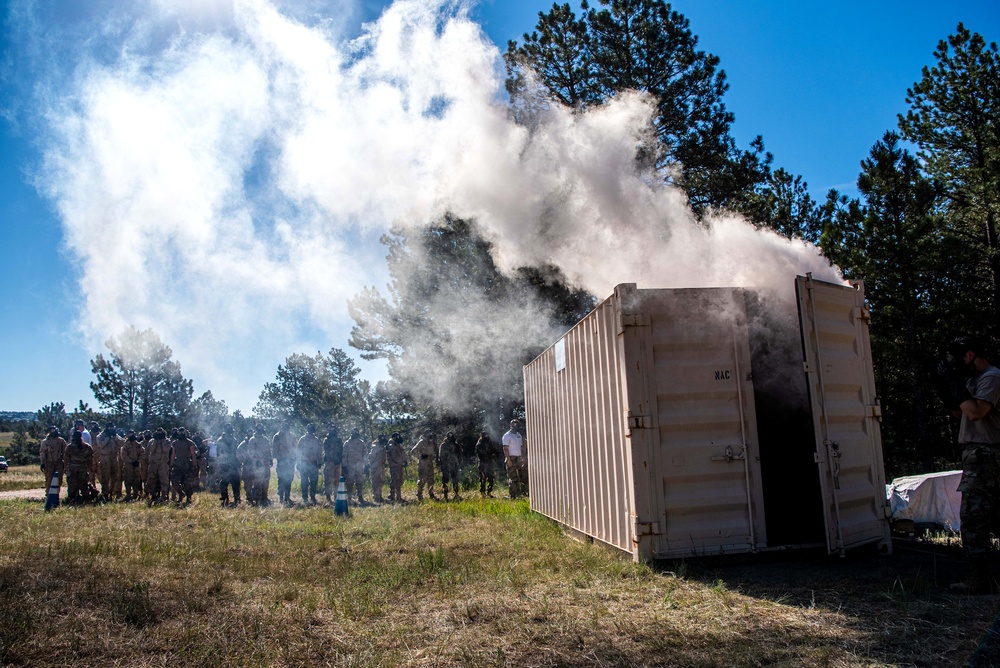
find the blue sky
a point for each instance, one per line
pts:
(820, 82)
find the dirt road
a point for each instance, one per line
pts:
(30, 494)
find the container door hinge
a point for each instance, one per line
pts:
(862, 313)
(876, 410)
(645, 528)
(639, 422)
(632, 320)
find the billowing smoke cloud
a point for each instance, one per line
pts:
(224, 175)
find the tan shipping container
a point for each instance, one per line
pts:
(687, 422)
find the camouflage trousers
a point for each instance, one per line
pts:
(396, 483)
(980, 488)
(449, 473)
(486, 476)
(76, 482)
(517, 476)
(107, 474)
(331, 478)
(309, 478)
(425, 476)
(50, 473)
(378, 482)
(130, 477)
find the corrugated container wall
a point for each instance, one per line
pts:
(673, 423)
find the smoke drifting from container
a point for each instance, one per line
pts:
(223, 180)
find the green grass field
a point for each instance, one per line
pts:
(473, 583)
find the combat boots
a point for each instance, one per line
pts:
(978, 582)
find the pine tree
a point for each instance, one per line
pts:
(954, 119)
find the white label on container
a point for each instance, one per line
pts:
(560, 355)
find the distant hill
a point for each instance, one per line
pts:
(14, 416)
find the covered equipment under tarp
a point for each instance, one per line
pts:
(932, 498)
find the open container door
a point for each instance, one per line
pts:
(834, 323)
(707, 436)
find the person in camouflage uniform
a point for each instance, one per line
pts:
(77, 463)
(333, 456)
(183, 466)
(448, 460)
(158, 454)
(975, 395)
(106, 448)
(355, 454)
(377, 460)
(397, 459)
(487, 451)
(260, 461)
(228, 465)
(283, 447)
(310, 450)
(201, 449)
(147, 438)
(52, 452)
(426, 453)
(131, 456)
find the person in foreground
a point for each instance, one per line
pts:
(975, 392)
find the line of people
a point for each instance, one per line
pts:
(156, 467)
(149, 465)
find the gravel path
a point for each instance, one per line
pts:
(31, 494)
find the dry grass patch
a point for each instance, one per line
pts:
(475, 583)
(22, 477)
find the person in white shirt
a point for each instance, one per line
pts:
(84, 434)
(513, 451)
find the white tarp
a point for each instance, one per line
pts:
(930, 498)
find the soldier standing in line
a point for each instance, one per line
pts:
(117, 475)
(377, 460)
(283, 447)
(448, 460)
(355, 453)
(245, 458)
(398, 459)
(183, 466)
(261, 456)
(487, 451)
(52, 452)
(201, 449)
(131, 456)
(426, 453)
(333, 455)
(106, 459)
(158, 467)
(228, 466)
(147, 438)
(77, 463)
(310, 459)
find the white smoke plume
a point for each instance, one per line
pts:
(223, 175)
